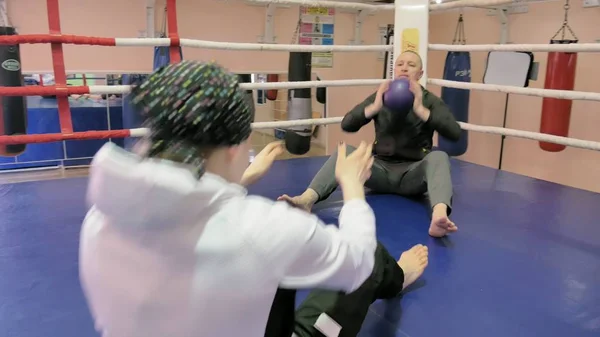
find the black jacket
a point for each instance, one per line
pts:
(408, 138)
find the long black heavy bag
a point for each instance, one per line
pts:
(13, 110)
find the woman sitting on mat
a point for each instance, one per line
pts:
(173, 245)
(404, 161)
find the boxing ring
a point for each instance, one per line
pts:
(43, 117)
(525, 262)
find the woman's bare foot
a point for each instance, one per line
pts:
(440, 223)
(304, 201)
(413, 263)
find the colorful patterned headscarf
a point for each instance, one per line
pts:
(190, 106)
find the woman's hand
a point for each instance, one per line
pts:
(355, 167)
(262, 163)
(353, 170)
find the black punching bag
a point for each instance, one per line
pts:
(321, 93)
(299, 105)
(247, 78)
(13, 110)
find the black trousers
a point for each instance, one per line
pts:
(348, 310)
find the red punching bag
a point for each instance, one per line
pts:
(556, 113)
(272, 94)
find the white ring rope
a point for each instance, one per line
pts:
(377, 8)
(283, 47)
(328, 4)
(571, 142)
(124, 89)
(246, 46)
(297, 122)
(141, 132)
(551, 93)
(573, 48)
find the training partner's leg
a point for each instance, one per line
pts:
(324, 183)
(432, 175)
(337, 314)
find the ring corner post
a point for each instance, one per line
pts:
(411, 29)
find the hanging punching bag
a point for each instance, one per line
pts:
(321, 93)
(162, 56)
(272, 94)
(13, 110)
(457, 68)
(247, 78)
(556, 113)
(299, 105)
(132, 118)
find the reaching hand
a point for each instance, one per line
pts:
(417, 91)
(378, 103)
(383, 87)
(262, 162)
(418, 107)
(355, 168)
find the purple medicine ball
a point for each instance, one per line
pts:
(398, 97)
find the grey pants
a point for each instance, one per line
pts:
(430, 175)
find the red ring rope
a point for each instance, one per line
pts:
(57, 38)
(58, 62)
(57, 137)
(173, 34)
(50, 90)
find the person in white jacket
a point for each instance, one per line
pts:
(173, 246)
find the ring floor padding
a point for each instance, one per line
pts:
(525, 262)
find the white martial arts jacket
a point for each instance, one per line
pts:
(163, 254)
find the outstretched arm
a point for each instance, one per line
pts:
(359, 116)
(362, 114)
(262, 163)
(306, 253)
(302, 252)
(332, 258)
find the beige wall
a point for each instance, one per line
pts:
(278, 110)
(575, 167)
(235, 21)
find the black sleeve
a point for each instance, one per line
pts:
(442, 120)
(355, 119)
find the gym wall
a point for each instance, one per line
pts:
(574, 167)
